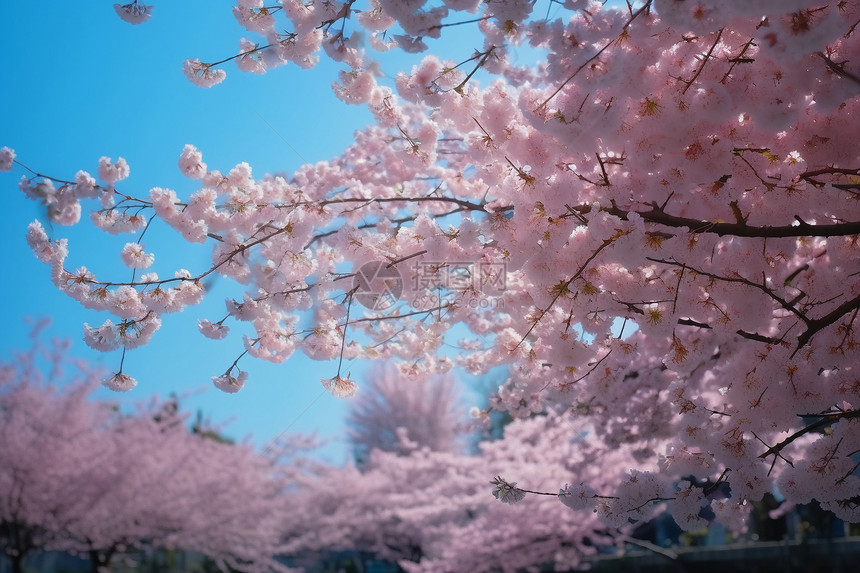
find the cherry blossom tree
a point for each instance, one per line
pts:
(79, 476)
(685, 169)
(428, 508)
(395, 413)
(432, 510)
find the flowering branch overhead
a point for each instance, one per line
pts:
(655, 230)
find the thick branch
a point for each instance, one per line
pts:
(742, 333)
(660, 217)
(704, 62)
(826, 420)
(801, 229)
(838, 69)
(813, 326)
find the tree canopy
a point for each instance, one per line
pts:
(654, 230)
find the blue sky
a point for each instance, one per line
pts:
(78, 83)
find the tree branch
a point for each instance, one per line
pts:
(826, 420)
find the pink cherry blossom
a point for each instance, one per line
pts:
(113, 172)
(120, 382)
(212, 330)
(7, 156)
(191, 163)
(133, 13)
(135, 257)
(340, 386)
(229, 383)
(202, 74)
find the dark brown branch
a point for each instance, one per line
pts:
(742, 333)
(838, 69)
(461, 85)
(814, 325)
(704, 62)
(739, 59)
(691, 322)
(802, 229)
(439, 199)
(825, 420)
(660, 217)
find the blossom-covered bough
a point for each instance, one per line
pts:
(654, 229)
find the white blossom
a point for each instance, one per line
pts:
(340, 387)
(202, 74)
(229, 383)
(120, 382)
(133, 13)
(507, 492)
(7, 156)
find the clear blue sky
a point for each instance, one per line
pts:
(78, 83)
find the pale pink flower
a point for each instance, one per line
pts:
(577, 496)
(46, 250)
(191, 163)
(251, 60)
(793, 157)
(133, 13)
(506, 492)
(136, 333)
(164, 202)
(340, 386)
(375, 19)
(229, 383)
(115, 223)
(481, 417)
(410, 44)
(104, 338)
(7, 156)
(259, 20)
(120, 382)
(202, 74)
(135, 257)
(213, 330)
(158, 300)
(189, 292)
(124, 301)
(113, 172)
(85, 185)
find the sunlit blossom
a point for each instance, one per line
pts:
(340, 386)
(507, 492)
(120, 382)
(133, 13)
